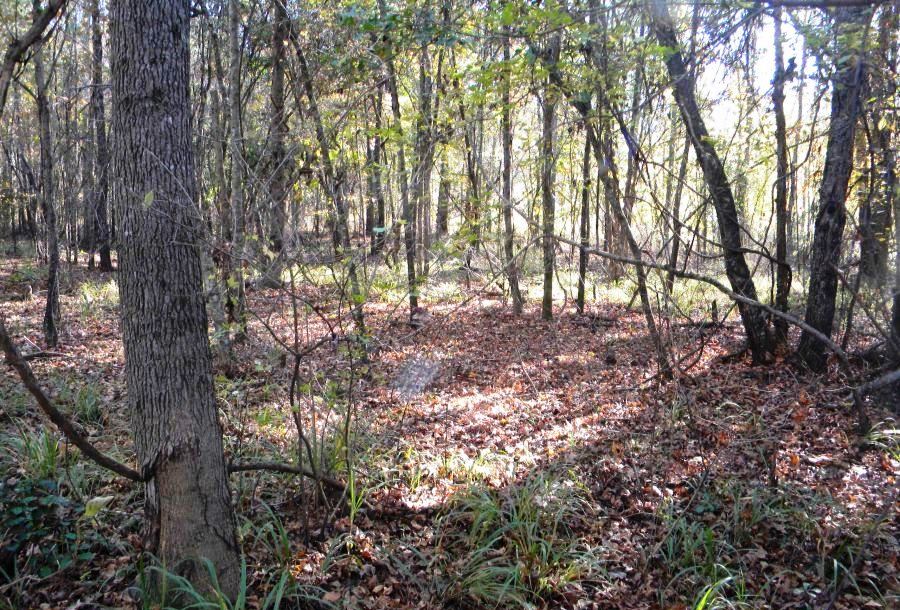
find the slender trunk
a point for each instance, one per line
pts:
(753, 318)
(236, 302)
(280, 164)
(377, 229)
(783, 269)
(334, 184)
(409, 227)
(51, 310)
(442, 220)
(585, 225)
(424, 147)
(512, 271)
(98, 119)
(168, 370)
(548, 175)
(832, 215)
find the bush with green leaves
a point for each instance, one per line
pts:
(38, 529)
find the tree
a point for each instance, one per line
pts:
(99, 219)
(512, 272)
(783, 270)
(849, 27)
(51, 310)
(171, 397)
(548, 173)
(736, 268)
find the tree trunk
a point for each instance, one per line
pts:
(548, 174)
(375, 225)
(100, 221)
(167, 357)
(832, 215)
(585, 224)
(51, 310)
(753, 318)
(280, 162)
(407, 210)
(783, 269)
(236, 302)
(512, 270)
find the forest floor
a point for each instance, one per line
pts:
(542, 465)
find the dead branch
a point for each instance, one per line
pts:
(57, 417)
(17, 48)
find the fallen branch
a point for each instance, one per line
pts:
(880, 382)
(42, 354)
(57, 417)
(287, 469)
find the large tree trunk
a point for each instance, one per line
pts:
(51, 310)
(99, 222)
(512, 270)
(753, 318)
(783, 270)
(167, 357)
(832, 215)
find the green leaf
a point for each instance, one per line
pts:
(94, 506)
(148, 200)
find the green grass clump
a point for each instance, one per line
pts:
(516, 547)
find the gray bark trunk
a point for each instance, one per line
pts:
(178, 439)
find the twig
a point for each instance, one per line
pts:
(287, 469)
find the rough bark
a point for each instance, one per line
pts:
(832, 214)
(752, 317)
(178, 439)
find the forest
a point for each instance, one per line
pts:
(426, 304)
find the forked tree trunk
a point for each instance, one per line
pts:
(171, 397)
(832, 215)
(753, 318)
